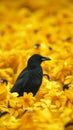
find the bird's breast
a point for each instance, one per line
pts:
(36, 76)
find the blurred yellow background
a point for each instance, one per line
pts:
(33, 4)
(44, 27)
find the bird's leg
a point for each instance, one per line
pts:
(47, 76)
(3, 81)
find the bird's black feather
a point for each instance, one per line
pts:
(30, 78)
(20, 82)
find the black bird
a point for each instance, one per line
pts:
(30, 78)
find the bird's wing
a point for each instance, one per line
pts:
(23, 72)
(21, 81)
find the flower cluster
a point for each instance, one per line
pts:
(48, 32)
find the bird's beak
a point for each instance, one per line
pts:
(45, 58)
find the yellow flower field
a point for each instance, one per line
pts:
(37, 27)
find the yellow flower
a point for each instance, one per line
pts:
(24, 24)
(28, 100)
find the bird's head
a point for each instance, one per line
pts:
(36, 60)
